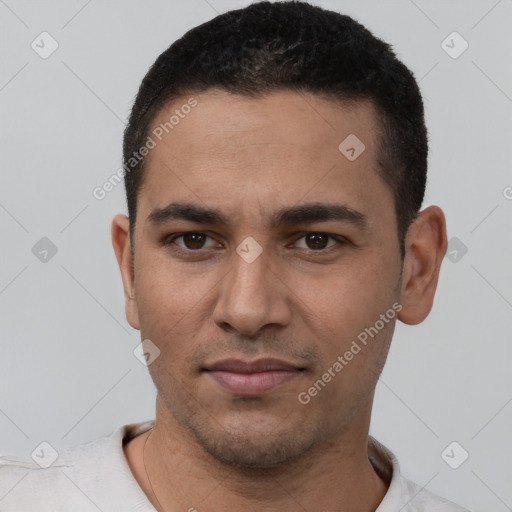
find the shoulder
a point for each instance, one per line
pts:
(418, 499)
(25, 485)
(403, 494)
(74, 479)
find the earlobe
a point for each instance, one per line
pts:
(121, 243)
(425, 248)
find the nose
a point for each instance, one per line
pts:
(252, 296)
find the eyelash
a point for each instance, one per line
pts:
(169, 242)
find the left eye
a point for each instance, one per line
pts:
(317, 241)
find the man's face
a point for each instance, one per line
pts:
(317, 284)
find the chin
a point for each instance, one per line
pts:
(254, 446)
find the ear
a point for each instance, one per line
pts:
(121, 244)
(425, 247)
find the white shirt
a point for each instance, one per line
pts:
(95, 476)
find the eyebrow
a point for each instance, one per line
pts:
(301, 214)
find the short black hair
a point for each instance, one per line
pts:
(295, 46)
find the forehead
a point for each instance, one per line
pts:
(304, 120)
(279, 147)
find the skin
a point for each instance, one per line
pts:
(301, 300)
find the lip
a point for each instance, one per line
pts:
(254, 378)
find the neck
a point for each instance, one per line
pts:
(176, 473)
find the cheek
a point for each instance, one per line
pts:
(169, 299)
(355, 346)
(352, 336)
(351, 298)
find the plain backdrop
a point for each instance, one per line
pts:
(67, 369)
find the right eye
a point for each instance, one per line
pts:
(191, 241)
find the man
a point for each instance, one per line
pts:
(275, 166)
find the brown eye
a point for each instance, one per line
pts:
(194, 240)
(317, 241)
(190, 241)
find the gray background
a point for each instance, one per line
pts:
(68, 373)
